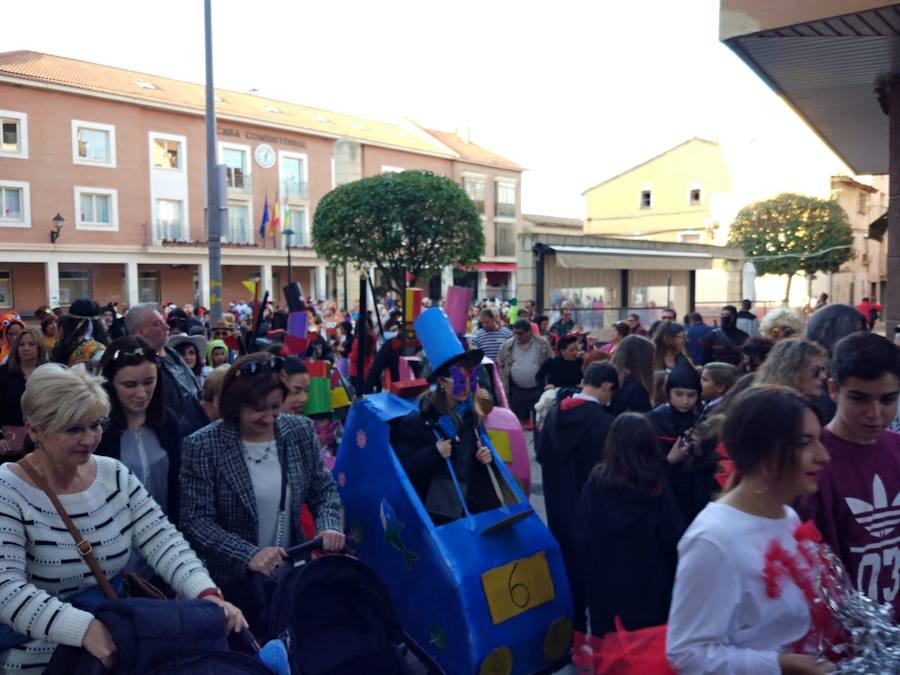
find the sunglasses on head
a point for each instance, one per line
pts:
(274, 363)
(136, 353)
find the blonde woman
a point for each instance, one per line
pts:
(797, 363)
(65, 413)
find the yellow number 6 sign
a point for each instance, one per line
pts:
(517, 586)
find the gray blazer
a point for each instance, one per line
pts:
(218, 506)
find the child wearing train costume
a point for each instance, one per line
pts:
(447, 429)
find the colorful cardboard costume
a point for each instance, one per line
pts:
(484, 592)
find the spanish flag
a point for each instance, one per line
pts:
(276, 216)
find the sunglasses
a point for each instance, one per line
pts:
(97, 427)
(136, 353)
(275, 363)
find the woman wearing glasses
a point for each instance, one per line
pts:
(798, 363)
(43, 574)
(245, 477)
(143, 432)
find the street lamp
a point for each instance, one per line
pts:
(58, 221)
(288, 233)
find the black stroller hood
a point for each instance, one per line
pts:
(336, 616)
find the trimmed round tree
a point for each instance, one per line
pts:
(412, 222)
(791, 233)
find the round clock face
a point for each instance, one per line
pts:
(265, 156)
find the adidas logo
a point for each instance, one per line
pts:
(879, 518)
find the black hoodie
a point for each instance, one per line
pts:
(692, 480)
(571, 443)
(627, 544)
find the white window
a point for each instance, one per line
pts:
(13, 134)
(474, 187)
(292, 168)
(74, 284)
(6, 290)
(15, 209)
(93, 144)
(170, 220)
(690, 237)
(148, 287)
(240, 231)
(392, 169)
(695, 194)
(96, 209)
(646, 199)
(297, 219)
(237, 167)
(166, 153)
(505, 199)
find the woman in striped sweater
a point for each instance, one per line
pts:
(65, 413)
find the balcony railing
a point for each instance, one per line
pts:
(238, 182)
(505, 210)
(505, 239)
(168, 231)
(295, 190)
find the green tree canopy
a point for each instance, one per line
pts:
(414, 221)
(791, 233)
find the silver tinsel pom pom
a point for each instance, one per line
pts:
(873, 639)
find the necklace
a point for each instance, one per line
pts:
(256, 459)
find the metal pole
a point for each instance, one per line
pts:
(213, 214)
(346, 292)
(362, 338)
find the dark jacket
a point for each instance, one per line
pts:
(723, 345)
(630, 397)
(413, 439)
(695, 334)
(692, 480)
(148, 633)
(178, 394)
(218, 506)
(559, 372)
(571, 443)
(12, 386)
(627, 545)
(110, 446)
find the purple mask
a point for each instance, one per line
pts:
(464, 383)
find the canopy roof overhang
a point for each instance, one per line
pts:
(615, 258)
(827, 67)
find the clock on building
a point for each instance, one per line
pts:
(265, 156)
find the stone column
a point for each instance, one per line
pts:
(132, 293)
(321, 290)
(52, 276)
(203, 282)
(265, 280)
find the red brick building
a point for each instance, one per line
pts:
(120, 156)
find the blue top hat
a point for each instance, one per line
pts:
(441, 345)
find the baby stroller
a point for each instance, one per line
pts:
(336, 617)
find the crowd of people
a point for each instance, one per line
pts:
(673, 456)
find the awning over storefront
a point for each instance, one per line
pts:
(492, 266)
(614, 258)
(878, 227)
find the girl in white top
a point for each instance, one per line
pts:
(724, 617)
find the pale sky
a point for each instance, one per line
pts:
(573, 91)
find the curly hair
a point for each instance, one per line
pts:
(788, 360)
(780, 323)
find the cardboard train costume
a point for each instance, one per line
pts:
(484, 592)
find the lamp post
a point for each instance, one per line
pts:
(288, 233)
(58, 221)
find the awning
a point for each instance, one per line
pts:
(614, 258)
(878, 227)
(491, 266)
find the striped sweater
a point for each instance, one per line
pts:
(40, 566)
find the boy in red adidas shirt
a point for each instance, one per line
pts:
(857, 507)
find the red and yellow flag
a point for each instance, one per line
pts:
(276, 215)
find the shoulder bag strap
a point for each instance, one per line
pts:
(82, 544)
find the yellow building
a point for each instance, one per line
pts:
(670, 197)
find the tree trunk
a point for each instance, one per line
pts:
(787, 290)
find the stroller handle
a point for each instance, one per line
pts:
(304, 550)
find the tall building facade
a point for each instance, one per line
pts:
(103, 185)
